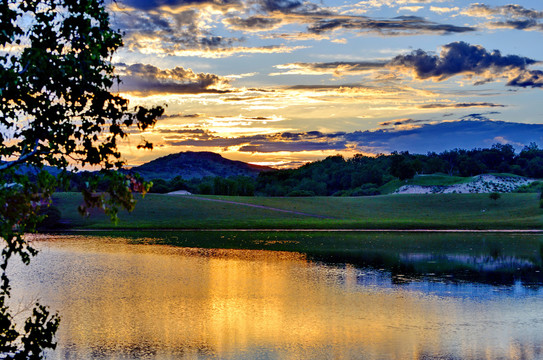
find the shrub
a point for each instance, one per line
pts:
(365, 190)
(494, 196)
(51, 218)
(300, 193)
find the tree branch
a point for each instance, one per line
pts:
(23, 158)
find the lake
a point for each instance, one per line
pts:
(120, 299)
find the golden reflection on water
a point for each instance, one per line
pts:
(121, 301)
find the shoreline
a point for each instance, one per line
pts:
(506, 231)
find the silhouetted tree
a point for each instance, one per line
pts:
(494, 196)
(56, 109)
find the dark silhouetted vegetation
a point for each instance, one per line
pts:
(364, 175)
(494, 196)
(358, 176)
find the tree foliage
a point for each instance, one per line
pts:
(57, 109)
(232, 185)
(363, 175)
(494, 196)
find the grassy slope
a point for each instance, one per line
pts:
(440, 211)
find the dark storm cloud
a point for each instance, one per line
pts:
(148, 79)
(395, 26)
(460, 58)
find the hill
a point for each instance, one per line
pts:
(196, 165)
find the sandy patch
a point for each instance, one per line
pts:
(479, 184)
(180, 192)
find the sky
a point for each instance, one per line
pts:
(284, 82)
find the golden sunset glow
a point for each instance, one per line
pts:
(331, 68)
(224, 303)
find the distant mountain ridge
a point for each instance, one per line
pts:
(191, 165)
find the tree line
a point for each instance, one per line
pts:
(363, 175)
(357, 176)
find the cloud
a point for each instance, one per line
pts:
(157, 28)
(460, 58)
(196, 115)
(402, 25)
(443, 10)
(189, 28)
(297, 36)
(533, 78)
(479, 116)
(177, 5)
(215, 53)
(167, 28)
(199, 132)
(271, 147)
(411, 8)
(422, 138)
(511, 16)
(401, 122)
(447, 135)
(252, 23)
(147, 79)
(529, 24)
(457, 58)
(458, 105)
(280, 5)
(334, 68)
(512, 10)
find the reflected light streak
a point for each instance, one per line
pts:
(162, 301)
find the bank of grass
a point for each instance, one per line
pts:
(528, 246)
(429, 211)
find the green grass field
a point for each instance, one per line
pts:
(435, 211)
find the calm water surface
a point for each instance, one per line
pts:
(123, 301)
